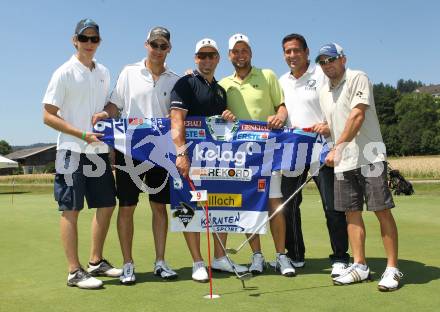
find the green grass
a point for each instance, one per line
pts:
(33, 267)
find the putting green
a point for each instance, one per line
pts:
(33, 267)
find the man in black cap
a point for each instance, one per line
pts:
(143, 91)
(69, 105)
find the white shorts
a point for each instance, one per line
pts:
(275, 185)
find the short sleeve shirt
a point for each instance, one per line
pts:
(256, 97)
(137, 95)
(301, 96)
(78, 93)
(199, 97)
(337, 102)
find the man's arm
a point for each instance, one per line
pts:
(351, 128)
(51, 118)
(178, 133)
(110, 111)
(278, 120)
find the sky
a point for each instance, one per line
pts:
(389, 40)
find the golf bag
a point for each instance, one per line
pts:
(398, 183)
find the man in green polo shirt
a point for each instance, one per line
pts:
(255, 94)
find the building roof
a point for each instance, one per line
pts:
(24, 153)
(432, 89)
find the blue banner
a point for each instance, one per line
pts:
(233, 162)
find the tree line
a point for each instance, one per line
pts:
(409, 121)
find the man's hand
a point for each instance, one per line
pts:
(321, 128)
(91, 137)
(275, 122)
(334, 156)
(182, 164)
(228, 115)
(99, 116)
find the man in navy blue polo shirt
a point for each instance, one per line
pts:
(198, 94)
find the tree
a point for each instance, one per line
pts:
(5, 148)
(408, 86)
(385, 98)
(418, 118)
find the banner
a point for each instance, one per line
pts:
(232, 162)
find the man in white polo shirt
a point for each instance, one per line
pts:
(143, 91)
(77, 90)
(301, 86)
(359, 160)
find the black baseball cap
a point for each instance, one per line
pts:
(84, 24)
(159, 33)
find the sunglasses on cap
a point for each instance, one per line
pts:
(92, 39)
(155, 46)
(204, 55)
(328, 60)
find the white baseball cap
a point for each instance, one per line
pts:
(238, 38)
(206, 42)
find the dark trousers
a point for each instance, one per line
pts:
(336, 222)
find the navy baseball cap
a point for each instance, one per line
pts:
(330, 49)
(84, 24)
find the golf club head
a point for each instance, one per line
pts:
(245, 276)
(231, 251)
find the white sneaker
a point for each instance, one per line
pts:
(222, 264)
(127, 277)
(82, 279)
(257, 263)
(162, 269)
(338, 269)
(103, 268)
(297, 264)
(284, 266)
(353, 274)
(390, 279)
(199, 272)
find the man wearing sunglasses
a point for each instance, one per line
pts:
(198, 94)
(359, 159)
(143, 91)
(77, 90)
(301, 86)
(255, 94)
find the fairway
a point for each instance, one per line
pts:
(33, 267)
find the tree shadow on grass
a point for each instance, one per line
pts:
(14, 193)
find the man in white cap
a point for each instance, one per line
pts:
(359, 158)
(143, 91)
(76, 91)
(255, 94)
(198, 94)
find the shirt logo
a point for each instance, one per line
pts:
(359, 94)
(311, 85)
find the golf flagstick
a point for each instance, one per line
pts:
(242, 277)
(191, 184)
(279, 208)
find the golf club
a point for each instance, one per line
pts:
(279, 208)
(242, 277)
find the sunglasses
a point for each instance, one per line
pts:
(204, 55)
(328, 60)
(155, 46)
(93, 39)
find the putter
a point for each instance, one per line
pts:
(243, 277)
(279, 208)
